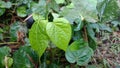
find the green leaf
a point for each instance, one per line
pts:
(4, 51)
(79, 25)
(8, 61)
(38, 37)
(91, 37)
(77, 35)
(41, 8)
(104, 27)
(92, 42)
(1, 36)
(71, 5)
(5, 4)
(37, 17)
(2, 4)
(108, 10)
(13, 30)
(54, 6)
(84, 8)
(115, 23)
(95, 26)
(21, 11)
(21, 59)
(59, 32)
(31, 53)
(60, 1)
(1, 33)
(2, 10)
(90, 32)
(79, 52)
(8, 4)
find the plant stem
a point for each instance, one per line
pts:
(85, 34)
(7, 43)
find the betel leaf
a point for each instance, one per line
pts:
(37, 17)
(91, 36)
(21, 58)
(79, 24)
(53, 5)
(13, 30)
(8, 61)
(41, 8)
(71, 5)
(79, 52)
(22, 11)
(1, 33)
(5, 4)
(104, 27)
(8, 4)
(84, 8)
(59, 32)
(92, 43)
(31, 53)
(38, 37)
(76, 35)
(60, 1)
(2, 10)
(4, 51)
(108, 10)
(90, 32)
(2, 4)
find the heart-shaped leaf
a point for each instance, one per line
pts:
(79, 52)
(59, 32)
(38, 37)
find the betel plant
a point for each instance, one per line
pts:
(70, 25)
(77, 22)
(59, 33)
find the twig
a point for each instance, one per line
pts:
(7, 43)
(27, 18)
(31, 60)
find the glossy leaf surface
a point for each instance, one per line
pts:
(38, 37)
(79, 52)
(59, 32)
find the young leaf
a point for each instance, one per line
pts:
(38, 37)
(79, 52)
(59, 32)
